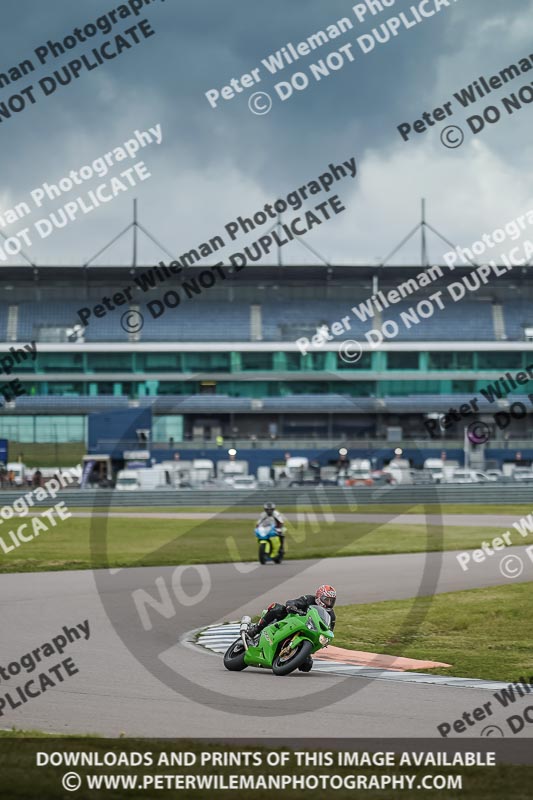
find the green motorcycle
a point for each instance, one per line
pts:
(282, 646)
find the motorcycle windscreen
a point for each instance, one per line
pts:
(265, 529)
(324, 616)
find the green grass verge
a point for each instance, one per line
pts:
(17, 733)
(47, 454)
(142, 542)
(482, 633)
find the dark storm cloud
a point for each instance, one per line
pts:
(203, 44)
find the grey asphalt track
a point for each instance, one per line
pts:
(193, 695)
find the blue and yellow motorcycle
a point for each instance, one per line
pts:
(271, 544)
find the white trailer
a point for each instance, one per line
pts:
(19, 472)
(143, 479)
(203, 470)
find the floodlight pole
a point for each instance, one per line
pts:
(136, 227)
(280, 258)
(424, 254)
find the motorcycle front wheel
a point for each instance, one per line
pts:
(234, 657)
(263, 556)
(283, 665)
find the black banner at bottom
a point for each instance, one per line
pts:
(59, 767)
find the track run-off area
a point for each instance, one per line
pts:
(188, 693)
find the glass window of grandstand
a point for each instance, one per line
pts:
(17, 429)
(303, 387)
(206, 362)
(27, 365)
(258, 362)
(257, 389)
(57, 389)
(315, 361)
(106, 388)
(402, 388)
(293, 362)
(448, 361)
(177, 387)
(353, 388)
(109, 362)
(402, 361)
(60, 362)
(344, 361)
(464, 387)
(123, 389)
(441, 361)
(499, 361)
(158, 362)
(43, 429)
(59, 429)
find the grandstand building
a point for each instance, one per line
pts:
(226, 360)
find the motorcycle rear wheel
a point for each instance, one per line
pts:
(234, 657)
(286, 666)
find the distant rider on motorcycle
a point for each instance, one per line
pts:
(325, 596)
(269, 512)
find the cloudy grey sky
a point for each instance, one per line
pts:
(216, 164)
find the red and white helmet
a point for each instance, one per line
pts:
(325, 596)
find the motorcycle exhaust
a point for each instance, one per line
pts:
(245, 622)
